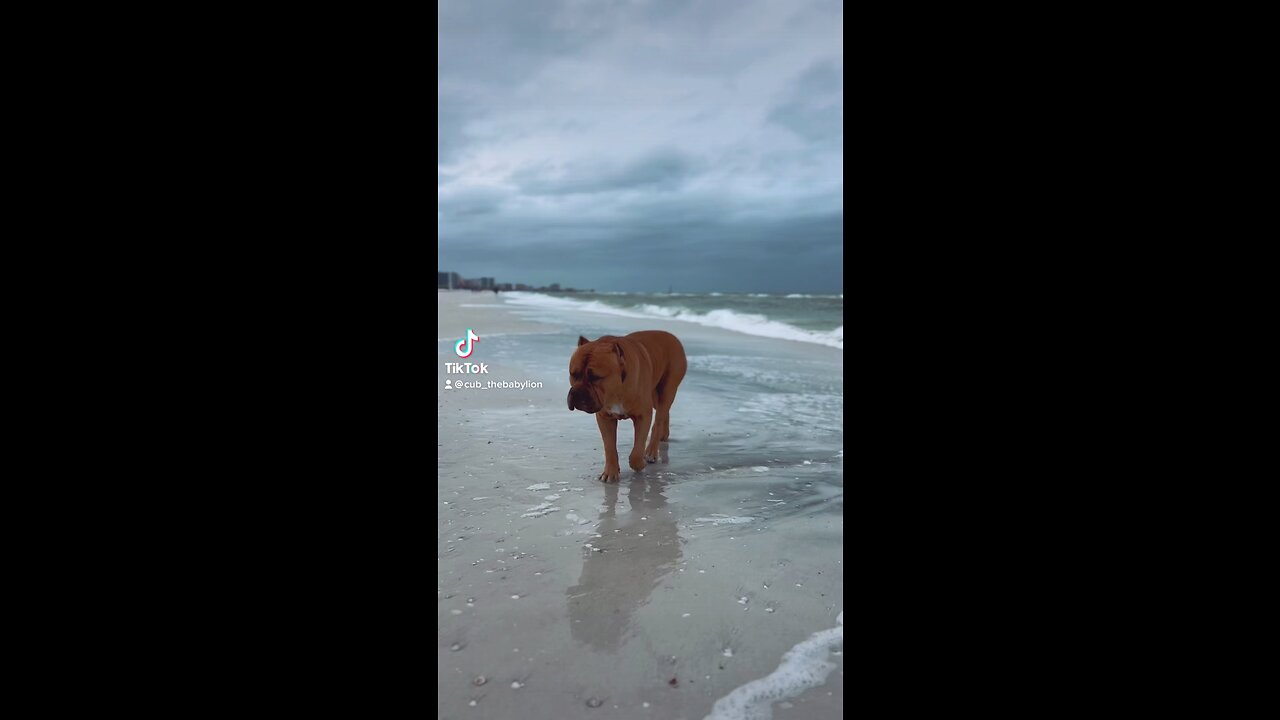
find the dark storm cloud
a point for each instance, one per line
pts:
(815, 109)
(782, 256)
(612, 144)
(476, 201)
(661, 169)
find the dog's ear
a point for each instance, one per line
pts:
(582, 341)
(622, 361)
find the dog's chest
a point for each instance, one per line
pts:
(617, 412)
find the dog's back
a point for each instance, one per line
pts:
(667, 355)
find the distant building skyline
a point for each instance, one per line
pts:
(454, 281)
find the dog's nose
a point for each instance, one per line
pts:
(580, 398)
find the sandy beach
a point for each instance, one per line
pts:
(654, 597)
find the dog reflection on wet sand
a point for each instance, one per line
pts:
(617, 581)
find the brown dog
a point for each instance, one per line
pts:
(627, 377)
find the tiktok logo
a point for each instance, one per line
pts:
(469, 342)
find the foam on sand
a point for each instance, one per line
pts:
(745, 323)
(803, 667)
(724, 520)
(540, 510)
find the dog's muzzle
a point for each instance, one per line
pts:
(581, 398)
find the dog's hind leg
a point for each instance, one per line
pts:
(662, 422)
(636, 459)
(665, 411)
(666, 392)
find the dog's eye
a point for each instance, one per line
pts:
(575, 374)
(592, 376)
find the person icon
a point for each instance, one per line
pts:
(448, 384)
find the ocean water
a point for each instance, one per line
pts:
(797, 317)
(756, 393)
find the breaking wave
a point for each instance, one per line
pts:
(745, 323)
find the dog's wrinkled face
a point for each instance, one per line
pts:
(596, 372)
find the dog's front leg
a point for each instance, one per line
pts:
(609, 434)
(636, 458)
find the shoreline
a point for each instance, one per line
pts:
(705, 568)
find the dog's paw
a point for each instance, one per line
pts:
(610, 474)
(636, 461)
(651, 456)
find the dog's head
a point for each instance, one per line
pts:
(596, 373)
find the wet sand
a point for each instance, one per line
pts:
(561, 597)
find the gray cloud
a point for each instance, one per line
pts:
(815, 110)
(612, 144)
(476, 201)
(657, 170)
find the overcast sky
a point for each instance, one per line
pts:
(640, 145)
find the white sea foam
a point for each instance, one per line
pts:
(724, 520)
(804, 666)
(539, 486)
(793, 376)
(540, 510)
(745, 323)
(821, 410)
